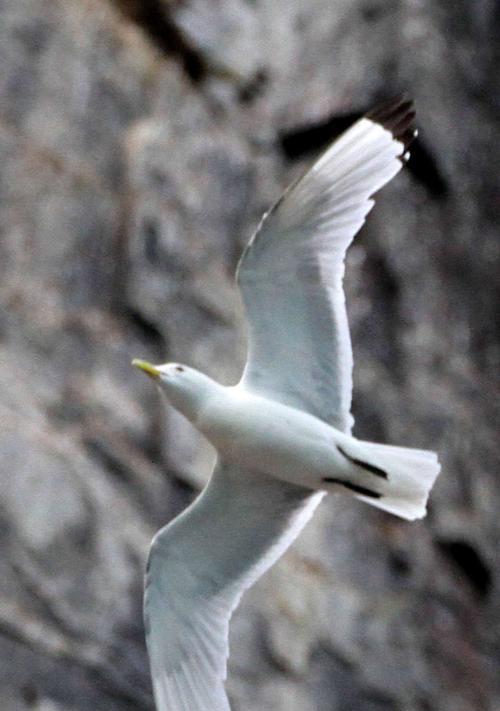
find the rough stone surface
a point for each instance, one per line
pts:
(139, 144)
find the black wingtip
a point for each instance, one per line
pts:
(397, 116)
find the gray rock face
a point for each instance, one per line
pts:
(139, 145)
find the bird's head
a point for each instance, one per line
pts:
(184, 387)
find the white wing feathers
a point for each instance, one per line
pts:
(291, 272)
(199, 566)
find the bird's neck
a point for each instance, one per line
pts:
(191, 401)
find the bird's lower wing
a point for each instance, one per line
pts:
(199, 566)
(290, 274)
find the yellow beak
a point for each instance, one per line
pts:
(149, 369)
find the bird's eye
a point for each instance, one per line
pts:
(179, 368)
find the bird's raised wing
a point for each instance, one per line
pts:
(290, 274)
(199, 566)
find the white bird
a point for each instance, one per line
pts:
(282, 434)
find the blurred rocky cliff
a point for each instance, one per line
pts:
(140, 141)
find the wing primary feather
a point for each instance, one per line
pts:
(348, 161)
(182, 689)
(179, 700)
(161, 694)
(398, 117)
(196, 700)
(212, 650)
(353, 140)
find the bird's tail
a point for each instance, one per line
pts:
(402, 477)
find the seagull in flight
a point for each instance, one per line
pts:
(283, 433)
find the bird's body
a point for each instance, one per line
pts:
(283, 434)
(269, 437)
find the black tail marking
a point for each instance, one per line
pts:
(369, 467)
(353, 487)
